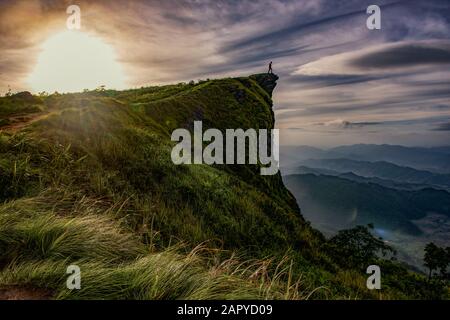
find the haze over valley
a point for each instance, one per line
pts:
(403, 191)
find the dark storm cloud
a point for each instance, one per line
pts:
(334, 80)
(403, 56)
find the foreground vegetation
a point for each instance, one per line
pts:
(86, 179)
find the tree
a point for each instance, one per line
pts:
(357, 247)
(436, 258)
(9, 93)
(101, 88)
(447, 251)
(430, 258)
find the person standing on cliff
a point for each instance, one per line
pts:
(270, 67)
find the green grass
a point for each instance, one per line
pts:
(16, 105)
(41, 236)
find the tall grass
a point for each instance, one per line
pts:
(40, 237)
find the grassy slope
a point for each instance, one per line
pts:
(91, 183)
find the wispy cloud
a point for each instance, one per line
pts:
(380, 60)
(345, 124)
(442, 127)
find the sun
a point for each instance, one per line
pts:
(71, 61)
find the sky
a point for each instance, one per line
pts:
(340, 83)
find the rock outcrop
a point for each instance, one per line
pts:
(267, 81)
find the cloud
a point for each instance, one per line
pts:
(405, 55)
(440, 107)
(442, 127)
(345, 124)
(311, 81)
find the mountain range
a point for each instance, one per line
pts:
(383, 170)
(401, 190)
(436, 159)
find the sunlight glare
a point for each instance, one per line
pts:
(71, 61)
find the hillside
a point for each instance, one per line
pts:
(87, 180)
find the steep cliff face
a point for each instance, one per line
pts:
(230, 104)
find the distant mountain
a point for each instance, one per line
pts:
(382, 170)
(445, 149)
(434, 159)
(384, 182)
(351, 176)
(316, 171)
(291, 155)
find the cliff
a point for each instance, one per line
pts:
(87, 179)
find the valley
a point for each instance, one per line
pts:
(409, 207)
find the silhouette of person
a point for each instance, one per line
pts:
(270, 67)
